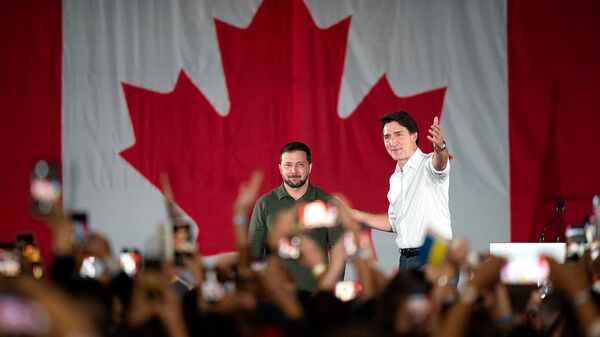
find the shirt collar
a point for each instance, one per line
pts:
(310, 194)
(413, 161)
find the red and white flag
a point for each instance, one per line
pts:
(207, 91)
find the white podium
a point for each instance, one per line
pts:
(526, 263)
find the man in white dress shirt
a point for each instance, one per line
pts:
(418, 192)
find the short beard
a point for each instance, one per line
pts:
(292, 185)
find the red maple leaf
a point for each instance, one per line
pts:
(283, 77)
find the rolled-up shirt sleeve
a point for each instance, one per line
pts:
(439, 176)
(392, 218)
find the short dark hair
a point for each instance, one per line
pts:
(403, 118)
(295, 146)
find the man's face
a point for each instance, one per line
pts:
(294, 168)
(399, 143)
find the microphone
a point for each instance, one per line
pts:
(559, 206)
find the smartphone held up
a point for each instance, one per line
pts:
(91, 267)
(45, 187)
(80, 228)
(526, 262)
(347, 290)
(525, 270)
(130, 261)
(10, 260)
(152, 280)
(317, 214)
(183, 243)
(30, 254)
(289, 248)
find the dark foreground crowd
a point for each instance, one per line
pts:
(239, 297)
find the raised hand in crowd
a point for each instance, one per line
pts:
(485, 276)
(574, 280)
(153, 297)
(175, 214)
(242, 205)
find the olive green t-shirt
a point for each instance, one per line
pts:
(263, 216)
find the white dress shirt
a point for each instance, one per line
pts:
(418, 199)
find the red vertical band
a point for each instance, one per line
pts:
(554, 112)
(30, 106)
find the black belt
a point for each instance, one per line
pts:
(409, 252)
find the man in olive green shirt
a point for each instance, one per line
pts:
(295, 168)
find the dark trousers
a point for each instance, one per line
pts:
(413, 262)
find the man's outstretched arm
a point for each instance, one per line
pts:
(378, 221)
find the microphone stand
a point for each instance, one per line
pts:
(543, 235)
(560, 208)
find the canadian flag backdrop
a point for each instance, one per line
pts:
(207, 91)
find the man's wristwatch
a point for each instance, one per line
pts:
(441, 148)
